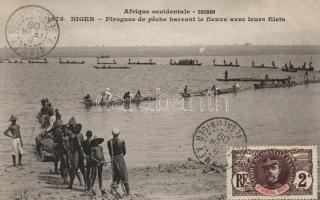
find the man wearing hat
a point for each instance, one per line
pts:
(117, 151)
(96, 162)
(272, 171)
(16, 141)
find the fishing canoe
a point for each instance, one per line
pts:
(38, 61)
(253, 79)
(293, 70)
(187, 62)
(225, 65)
(141, 63)
(119, 102)
(265, 67)
(44, 146)
(107, 63)
(195, 64)
(72, 62)
(262, 86)
(110, 67)
(208, 92)
(312, 81)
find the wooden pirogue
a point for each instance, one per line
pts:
(110, 67)
(254, 79)
(207, 92)
(119, 101)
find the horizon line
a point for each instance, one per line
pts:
(193, 45)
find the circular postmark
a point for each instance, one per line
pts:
(32, 31)
(212, 139)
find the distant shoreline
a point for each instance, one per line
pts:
(175, 51)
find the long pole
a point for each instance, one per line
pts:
(112, 179)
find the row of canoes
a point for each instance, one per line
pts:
(271, 83)
(190, 62)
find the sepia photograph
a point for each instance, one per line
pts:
(159, 99)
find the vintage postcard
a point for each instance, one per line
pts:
(159, 99)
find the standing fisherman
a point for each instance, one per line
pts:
(16, 140)
(117, 151)
(86, 145)
(97, 161)
(57, 138)
(77, 154)
(226, 75)
(65, 149)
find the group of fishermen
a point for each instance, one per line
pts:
(107, 96)
(85, 155)
(302, 67)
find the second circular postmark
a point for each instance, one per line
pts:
(32, 31)
(214, 137)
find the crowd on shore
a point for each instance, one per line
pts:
(74, 155)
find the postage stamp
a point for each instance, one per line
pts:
(212, 139)
(32, 31)
(272, 172)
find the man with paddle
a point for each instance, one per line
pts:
(117, 151)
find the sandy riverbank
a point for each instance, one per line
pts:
(181, 180)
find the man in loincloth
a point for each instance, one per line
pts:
(96, 163)
(57, 137)
(64, 156)
(77, 154)
(16, 140)
(86, 145)
(117, 151)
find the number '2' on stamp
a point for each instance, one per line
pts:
(272, 172)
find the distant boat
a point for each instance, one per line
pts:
(254, 79)
(110, 67)
(266, 67)
(45, 61)
(15, 61)
(185, 62)
(107, 63)
(273, 85)
(206, 92)
(105, 56)
(291, 68)
(225, 64)
(70, 62)
(263, 66)
(141, 63)
(120, 101)
(312, 81)
(4, 59)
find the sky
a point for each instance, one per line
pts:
(300, 28)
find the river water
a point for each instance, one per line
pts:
(154, 135)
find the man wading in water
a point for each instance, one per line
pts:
(15, 139)
(117, 151)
